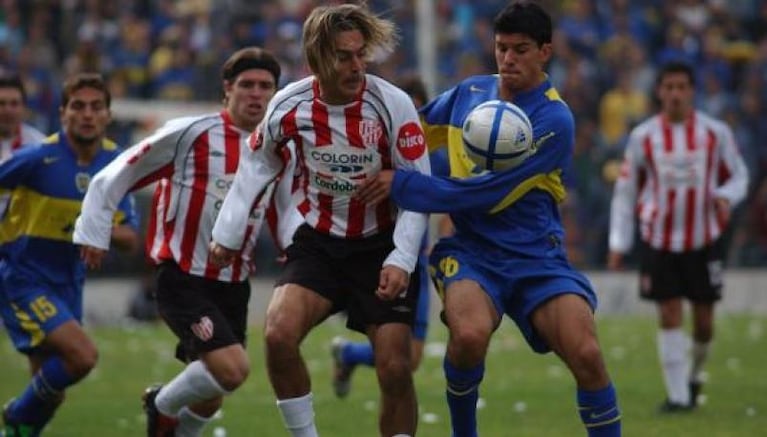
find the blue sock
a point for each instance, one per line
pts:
(462, 395)
(40, 399)
(599, 412)
(358, 353)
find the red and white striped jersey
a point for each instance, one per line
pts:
(671, 174)
(194, 159)
(337, 147)
(26, 135)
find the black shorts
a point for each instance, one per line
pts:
(695, 275)
(346, 272)
(205, 314)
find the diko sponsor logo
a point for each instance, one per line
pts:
(411, 142)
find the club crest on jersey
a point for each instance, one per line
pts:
(411, 142)
(82, 180)
(203, 329)
(370, 131)
(256, 139)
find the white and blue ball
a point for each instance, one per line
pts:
(497, 135)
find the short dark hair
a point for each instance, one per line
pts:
(84, 80)
(414, 87)
(526, 17)
(11, 80)
(676, 67)
(247, 58)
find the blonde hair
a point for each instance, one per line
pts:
(324, 22)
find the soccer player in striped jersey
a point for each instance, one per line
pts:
(14, 133)
(42, 274)
(353, 253)
(194, 160)
(346, 354)
(682, 175)
(507, 255)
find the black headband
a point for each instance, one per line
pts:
(249, 64)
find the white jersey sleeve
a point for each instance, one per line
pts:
(258, 166)
(142, 162)
(623, 205)
(735, 187)
(409, 151)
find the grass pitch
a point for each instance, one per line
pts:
(523, 394)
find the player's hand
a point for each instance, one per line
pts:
(221, 256)
(723, 212)
(92, 256)
(615, 261)
(376, 188)
(392, 282)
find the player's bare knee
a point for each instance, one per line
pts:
(232, 377)
(394, 374)
(81, 361)
(586, 360)
(469, 343)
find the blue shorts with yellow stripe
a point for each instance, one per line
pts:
(31, 309)
(517, 285)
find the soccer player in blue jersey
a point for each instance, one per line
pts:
(41, 273)
(507, 254)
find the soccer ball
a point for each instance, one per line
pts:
(497, 135)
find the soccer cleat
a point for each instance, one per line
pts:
(157, 424)
(695, 388)
(15, 429)
(669, 407)
(342, 372)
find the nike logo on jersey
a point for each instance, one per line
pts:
(50, 160)
(475, 89)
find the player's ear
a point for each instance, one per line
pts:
(546, 51)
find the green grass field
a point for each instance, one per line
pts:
(523, 394)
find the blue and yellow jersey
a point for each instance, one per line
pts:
(47, 188)
(515, 209)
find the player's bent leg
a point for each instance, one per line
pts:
(229, 367)
(566, 323)
(293, 311)
(471, 318)
(399, 408)
(69, 356)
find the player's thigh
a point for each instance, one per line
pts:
(294, 310)
(469, 308)
(565, 322)
(471, 300)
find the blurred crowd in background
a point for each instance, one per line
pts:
(606, 55)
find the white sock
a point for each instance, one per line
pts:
(699, 356)
(190, 424)
(194, 384)
(298, 415)
(672, 349)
